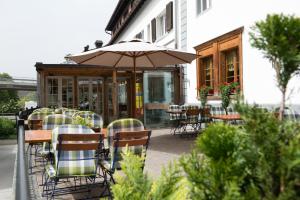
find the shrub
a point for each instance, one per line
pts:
(258, 160)
(7, 128)
(136, 185)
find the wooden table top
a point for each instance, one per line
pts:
(38, 136)
(227, 117)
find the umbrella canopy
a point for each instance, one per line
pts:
(132, 54)
(122, 54)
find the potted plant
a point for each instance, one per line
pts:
(226, 90)
(203, 93)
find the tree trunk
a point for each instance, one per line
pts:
(282, 106)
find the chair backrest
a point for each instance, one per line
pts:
(122, 125)
(92, 118)
(76, 149)
(205, 114)
(60, 110)
(54, 120)
(136, 141)
(69, 112)
(44, 110)
(174, 116)
(35, 119)
(79, 142)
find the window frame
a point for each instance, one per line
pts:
(200, 8)
(216, 48)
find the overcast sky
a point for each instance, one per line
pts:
(46, 30)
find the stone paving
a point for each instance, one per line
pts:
(163, 149)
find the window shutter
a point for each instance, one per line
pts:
(153, 27)
(169, 16)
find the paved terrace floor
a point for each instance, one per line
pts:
(163, 149)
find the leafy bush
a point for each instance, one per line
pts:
(7, 128)
(258, 160)
(9, 107)
(136, 185)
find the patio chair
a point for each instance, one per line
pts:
(49, 123)
(121, 133)
(175, 118)
(35, 122)
(36, 117)
(44, 110)
(69, 112)
(191, 123)
(205, 115)
(76, 154)
(95, 120)
(60, 110)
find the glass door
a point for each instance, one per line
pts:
(90, 94)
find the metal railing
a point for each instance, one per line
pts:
(22, 190)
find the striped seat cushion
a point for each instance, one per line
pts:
(73, 163)
(128, 124)
(174, 108)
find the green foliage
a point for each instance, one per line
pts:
(253, 161)
(278, 37)
(82, 121)
(29, 97)
(226, 90)
(136, 185)
(7, 128)
(7, 94)
(203, 93)
(8, 97)
(10, 106)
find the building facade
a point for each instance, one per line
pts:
(218, 31)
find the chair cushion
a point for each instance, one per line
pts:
(128, 124)
(174, 108)
(73, 163)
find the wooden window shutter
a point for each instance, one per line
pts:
(169, 16)
(153, 28)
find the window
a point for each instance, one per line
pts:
(140, 35)
(161, 25)
(52, 94)
(202, 5)
(60, 92)
(208, 71)
(230, 65)
(149, 33)
(220, 61)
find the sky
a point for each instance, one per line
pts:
(46, 30)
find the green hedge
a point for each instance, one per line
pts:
(7, 128)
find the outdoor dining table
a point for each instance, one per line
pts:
(38, 136)
(227, 118)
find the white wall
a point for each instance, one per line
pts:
(259, 83)
(224, 16)
(142, 19)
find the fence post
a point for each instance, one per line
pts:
(22, 181)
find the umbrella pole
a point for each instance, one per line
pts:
(134, 89)
(114, 93)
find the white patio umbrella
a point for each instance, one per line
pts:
(132, 54)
